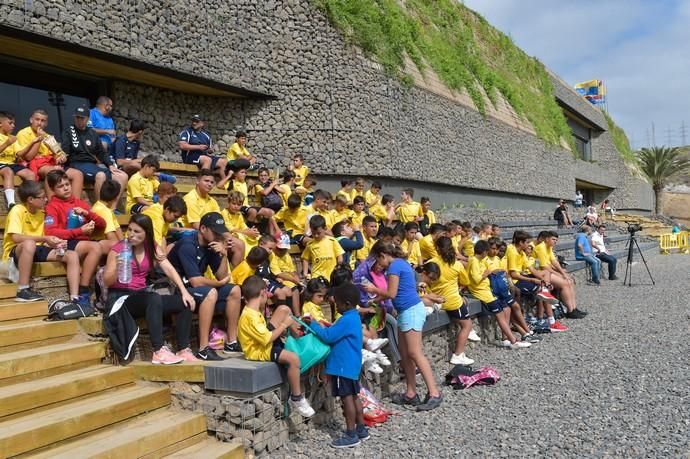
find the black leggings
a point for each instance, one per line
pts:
(154, 307)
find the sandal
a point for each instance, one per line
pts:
(402, 399)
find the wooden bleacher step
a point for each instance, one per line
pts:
(13, 310)
(210, 449)
(8, 290)
(73, 418)
(39, 359)
(41, 392)
(185, 371)
(152, 435)
(35, 332)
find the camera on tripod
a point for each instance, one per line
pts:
(634, 228)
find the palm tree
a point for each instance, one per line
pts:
(659, 164)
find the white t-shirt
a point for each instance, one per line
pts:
(598, 239)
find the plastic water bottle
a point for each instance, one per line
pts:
(365, 282)
(124, 264)
(73, 220)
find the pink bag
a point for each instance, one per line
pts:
(461, 377)
(217, 339)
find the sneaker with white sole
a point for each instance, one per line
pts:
(164, 356)
(187, 355)
(301, 406)
(546, 296)
(382, 359)
(373, 367)
(520, 345)
(474, 336)
(374, 344)
(368, 356)
(461, 359)
(28, 295)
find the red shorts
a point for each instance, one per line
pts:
(40, 161)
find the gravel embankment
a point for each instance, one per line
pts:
(616, 385)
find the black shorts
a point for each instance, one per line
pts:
(343, 387)
(277, 347)
(527, 288)
(72, 244)
(273, 286)
(137, 208)
(192, 157)
(40, 255)
(462, 313)
(15, 167)
(495, 306)
(199, 294)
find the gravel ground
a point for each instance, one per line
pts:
(616, 385)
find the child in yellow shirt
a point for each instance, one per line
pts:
(347, 191)
(373, 194)
(427, 244)
(238, 150)
(294, 218)
(323, 253)
(428, 216)
(301, 171)
(315, 294)
(142, 186)
(410, 245)
(341, 212)
(112, 233)
(358, 213)
(8, 158)
(262, 342)
(409, 210)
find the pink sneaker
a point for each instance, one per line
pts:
(546, 296)
(165, 357)
(187, 355)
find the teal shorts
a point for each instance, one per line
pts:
(412, 318)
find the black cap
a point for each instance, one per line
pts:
(82, 111)
(197, 117)
(214, 221)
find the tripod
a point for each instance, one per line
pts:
(632, 243)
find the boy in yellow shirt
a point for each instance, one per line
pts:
(320, 207)
(370, 229)
(373, 195)
(427, 244)
(199, 201)
(112, 233)
(359, 187)
(164, 213)
(410, 245)
(238, 150)
(323, 252)
(25, 243)
(409, 210)
(358, 212)
(8, 158)
(234, 220)
(347, 191)
(142, 186)
(301, 171)
(262, 342)
(478, 273)
(340, 212)
(294, 218)
(283, 266)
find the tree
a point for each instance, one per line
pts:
(659, 164)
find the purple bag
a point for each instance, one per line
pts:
(462, 377)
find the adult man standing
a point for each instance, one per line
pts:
(196, 147)
(101, 121)
(597, 239)
(86, 154)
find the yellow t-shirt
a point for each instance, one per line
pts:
(24, 139)
(427, 247)
(449, 282)
(9, 154)
(326, 214)
(234, 222)
(468, 248)
(140, 187)
(357, 217)
(286, 193)
(21, 221)
(531, 263)
(254, 335)
(111, 223)
(371, 198)
(197, 207)
(294, 220)
(504, 263)
(344, 214)
(363, 253)
(160, 226)
(415, 254)
(237, 151)
(323, 256)
(517, 261)
(544, 254)
(480, 288)
(314, 311)
(378, 212)
(281, 265)
(242, 188)
(348, 195)
(432, 216)
(300, 174)
(493, 262)
(241, 272)
(408, 212)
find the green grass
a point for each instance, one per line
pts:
(464, 50)
(620, 140)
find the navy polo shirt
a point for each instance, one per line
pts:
(191, 260)
(123, 148)
(193, 137)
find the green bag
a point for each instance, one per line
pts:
(310, 349)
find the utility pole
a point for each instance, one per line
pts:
(683, 131)
(649, 141)
(653, 135)
(668, 136)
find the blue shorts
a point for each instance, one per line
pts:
(344, 387)
(199, 294)
(192, 157)
(273, 286)
(40, 255)
(495, 306)
(90, 170)
(137, 208)
(15, 167)
(527, 288)
(412, 318)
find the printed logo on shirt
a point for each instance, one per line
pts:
(49, 220)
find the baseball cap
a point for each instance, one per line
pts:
(197, 117)
(214, 221)
(284, 242)
(81, 111)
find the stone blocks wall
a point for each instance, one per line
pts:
(330, 102)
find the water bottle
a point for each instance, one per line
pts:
(124, 264)
(366, 282)
(74, 221)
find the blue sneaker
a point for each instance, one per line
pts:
(531, 319)
(362, 432)
(348, 440)
(167, 177)
(84, 300)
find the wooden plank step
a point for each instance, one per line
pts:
(185, 371)
(12, 310)
(45, 391)
(92, 325)
(210, 449)
(13, 364)
(48, 269)
(169, 166)
(8, 290)
(70, 419)
(144, 435)
(29, 332)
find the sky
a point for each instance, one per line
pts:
(638, 47)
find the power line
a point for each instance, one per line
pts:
(683, 132)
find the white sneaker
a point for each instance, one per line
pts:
(474, 336)
(520, 344)
(374, 344)
(461, 359)
(302, 407)
(368, 356)
(505, 343)
(373, 367)
(382, 359)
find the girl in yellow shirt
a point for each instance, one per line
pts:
(315, 294)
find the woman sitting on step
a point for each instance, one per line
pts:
(140, 301)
